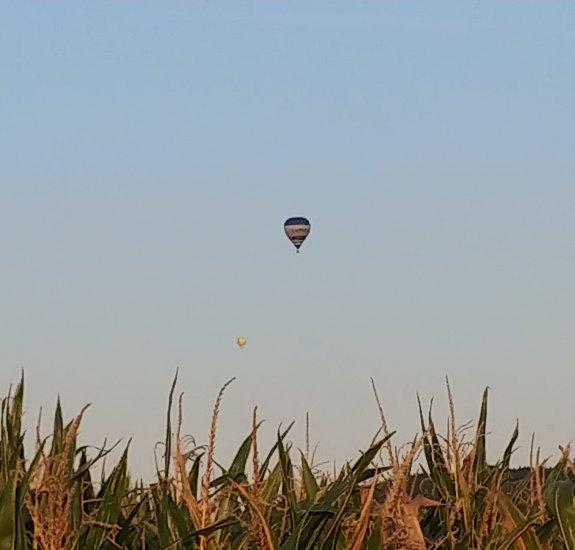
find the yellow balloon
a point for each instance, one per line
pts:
(241, 342)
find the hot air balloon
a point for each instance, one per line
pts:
(297, 230)
(241, 341)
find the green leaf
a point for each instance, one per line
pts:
(523, 526)
(374, 539)
(265, 465)
(110, 506)
(287, 482)
(168, 442)
(58, 431)
(227, 522)
(559, 499)
(309, 481)
(194, 475)
(480, 460)
(509, 449)
(238, 466)
(8, 513)
(360, 466)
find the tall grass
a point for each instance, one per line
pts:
(279, 500)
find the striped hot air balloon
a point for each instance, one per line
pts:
(297, 230)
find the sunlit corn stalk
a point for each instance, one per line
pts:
(50, 501)
(210, 460)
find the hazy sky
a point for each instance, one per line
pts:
(150, 152)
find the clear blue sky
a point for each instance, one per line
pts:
(151, 151)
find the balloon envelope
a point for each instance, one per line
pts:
(297, 230)
(241, 342)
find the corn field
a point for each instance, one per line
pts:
(54, 499)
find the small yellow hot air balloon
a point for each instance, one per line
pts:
(241, 341)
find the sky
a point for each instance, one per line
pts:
(150, 152)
